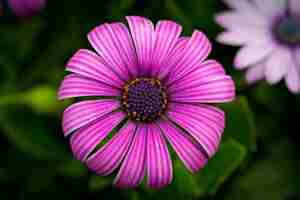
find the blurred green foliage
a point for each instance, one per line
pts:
(256, 160)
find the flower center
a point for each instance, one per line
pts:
(287, 30)
(144, 99)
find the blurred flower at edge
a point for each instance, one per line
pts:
(24, 8)
(269, 33)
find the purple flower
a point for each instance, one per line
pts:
(152, 86)
(26, 8)
(269, 33)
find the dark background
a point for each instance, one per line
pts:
(258, 157)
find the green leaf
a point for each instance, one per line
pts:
(229, 157)
(274, 176)
(18, 40)
(7, 74)
(72, 168)
(185, 182)
(272, 97)
(178, 14)
(32, 134)
(240, 123)
(183, 186)
(43, 99)
(97, 183)
(118, 9)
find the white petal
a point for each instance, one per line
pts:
(252, 54)
(294, 6)
(255, 73)
(240, 5)
(240, 36)
(271, 8)
(292, 78)
(232, 20)
(277, 65)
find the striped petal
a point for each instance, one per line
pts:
(132, 169)
(104, 40)
(74, 85)
(159, 164)
(166, 36)
(204, 123)
(89, 64)
(82, 113)
(196, 51)
(208, 84)
(126, 47)
(204, 70)
(109, 157)
(142, 32)
(173, 58)
(85, 140)
(188, 151)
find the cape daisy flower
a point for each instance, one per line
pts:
(269, 33)
(153, 86)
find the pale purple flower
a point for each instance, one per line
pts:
(152, 81)
(26, 8)
(269, 33)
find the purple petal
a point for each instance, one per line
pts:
(35, 5)
(126, 46)
(196, 51)
(217, 89)
(109, 157)
(82, 113)
(204, 123)
(19, 8)
(104, 40)
(189, 153)
(159, 164)
(142, 32)
(74, 85)
(89, 64)
(132, 169)
(255, 73)
(166, 36)
(252, 54)
(173, 58)
(85, 140)
(207, 84)
(26, 8)
(209, 68)
(277, 64)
